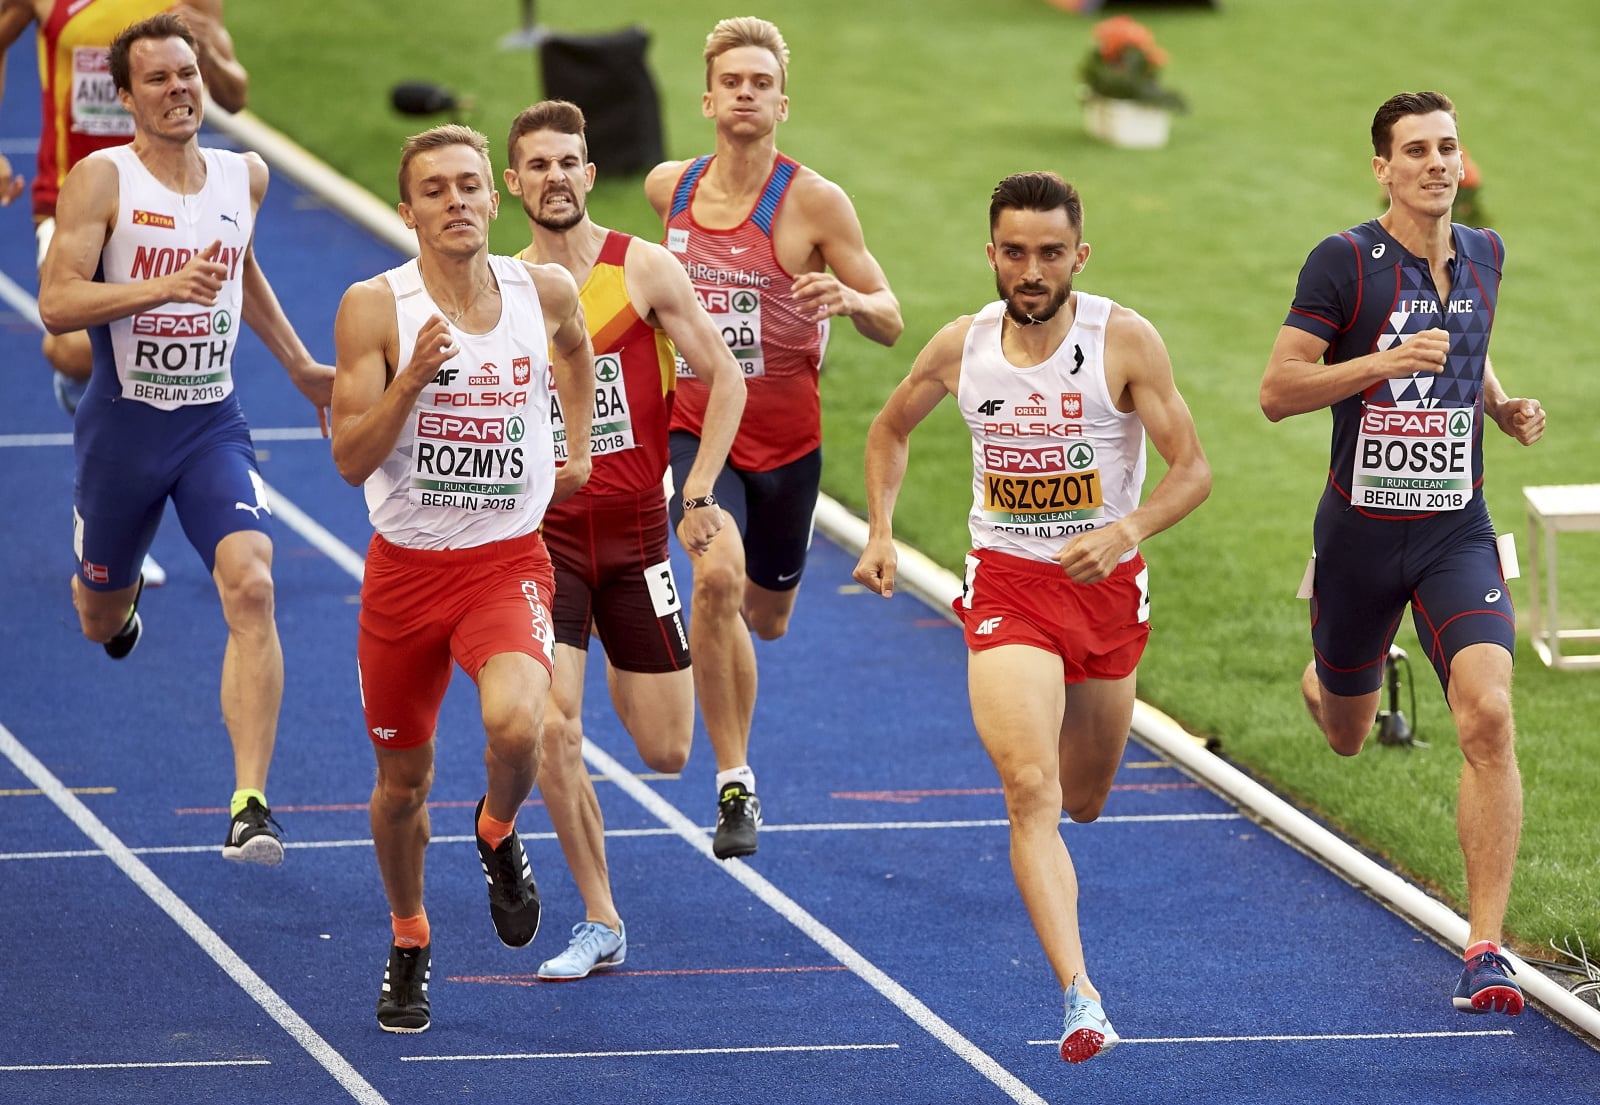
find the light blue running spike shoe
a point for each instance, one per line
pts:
(593, 947)
(1085, 1031)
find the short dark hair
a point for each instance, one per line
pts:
(1041, 191)
(162, 25)
(1397, 107)
(561, 116)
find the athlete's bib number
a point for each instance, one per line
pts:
(96, 109)
(612, 428)
(737, 314)
(1411, 459)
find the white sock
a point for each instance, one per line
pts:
(740, 774)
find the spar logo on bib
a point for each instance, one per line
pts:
(1411, 459)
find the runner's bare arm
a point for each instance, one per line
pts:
(935, 374)
(264, 315)
(573, 368)
(15, 15)
(369, 407)
(70, 298)
(1519, 418)
(1134, 347)
(1296, 380)
(664, 289)
(853, 284)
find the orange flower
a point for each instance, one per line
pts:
(1118, 33)
(1470, 177)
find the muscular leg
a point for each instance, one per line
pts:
(1023, 733)
(400, 827)
(1344, 719)
(657, 709)
(512, 691)
(252, 662)
(101, 613)
(1094, 732)
(724, 656)
(569, 792)
(1489, 806)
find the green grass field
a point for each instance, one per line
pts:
(917, 108)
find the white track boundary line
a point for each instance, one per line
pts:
(189, 921)
(1321, 1037)
(938, 587)
(21, 1068)
(814, 827)
(651, 1054)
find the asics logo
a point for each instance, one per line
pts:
(1377, 250)
(1492, 596)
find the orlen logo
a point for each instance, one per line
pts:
(152, 218)
(1037, 407)
(1397, 423)
(1071, 404)
(455, 427)
(159, 325)
(488, 375)
(521, 370)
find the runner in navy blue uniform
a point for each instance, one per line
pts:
(1390, 329)
(153, 256)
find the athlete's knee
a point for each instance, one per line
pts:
(768, 624)
(515, 729)
(1031, 793)
(718, 588)
(99, 616)
(1084, 805)
(402, 788)
(247, 592)
(665, 748)
(1484, 725)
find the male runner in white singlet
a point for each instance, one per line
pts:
(442, 408)
(1059, 389)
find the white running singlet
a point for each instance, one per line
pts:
(475, 462)
(178, 354)
(1051, 454)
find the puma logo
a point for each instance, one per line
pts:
(260, 504)
(234, 219)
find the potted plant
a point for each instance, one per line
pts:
(1125, 102)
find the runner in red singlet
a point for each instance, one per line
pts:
(775, 251)
(609, 541)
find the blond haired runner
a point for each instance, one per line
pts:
(775, 253)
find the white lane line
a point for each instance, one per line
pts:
(817, 827)
(1315, 1038)
(270, 433)
(20, 300)
(135, 1066)
(314, 533)
(647, 1054)
(189, 921)
(824, 937)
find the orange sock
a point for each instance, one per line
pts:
(411, 932)
(494, 831)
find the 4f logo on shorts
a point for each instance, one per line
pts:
(986, 627)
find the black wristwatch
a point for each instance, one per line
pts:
(708, 499)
